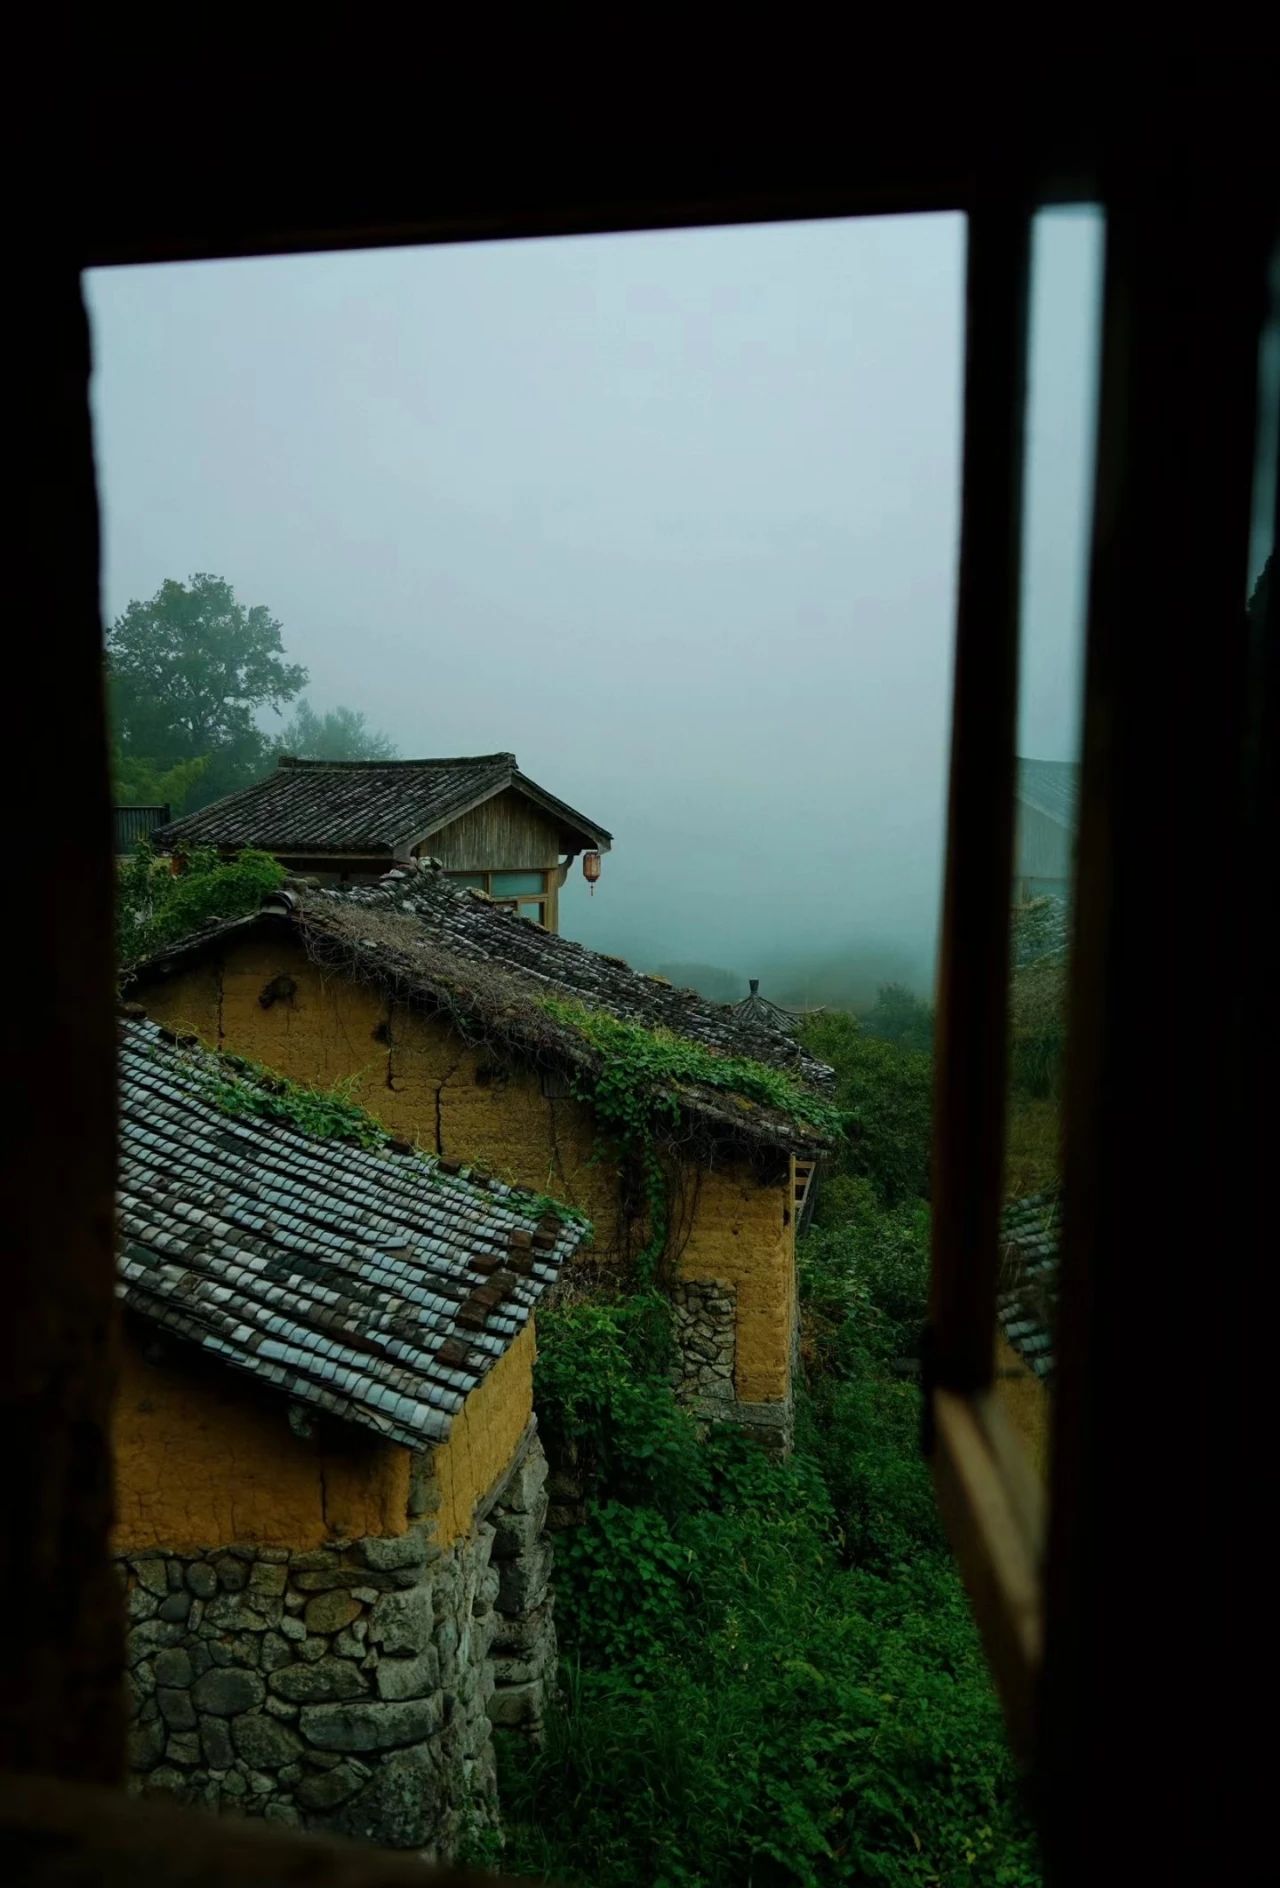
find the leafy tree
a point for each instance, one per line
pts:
(339, 734)
(888, 1095)
(899, 1016)
(188, 671)
(138, 782)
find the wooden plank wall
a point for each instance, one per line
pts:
(507, 832)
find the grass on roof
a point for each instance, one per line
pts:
(636, 1059)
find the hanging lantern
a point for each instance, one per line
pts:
(591, 869)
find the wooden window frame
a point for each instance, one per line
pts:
(522, 902)
(985, 1490)
(1157, 1593)
(1043, 1566)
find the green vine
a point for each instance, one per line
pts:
(239, 1087)
(536, 1206)
(636, 1088)
(155, 909)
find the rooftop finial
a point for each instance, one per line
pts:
(753, 984)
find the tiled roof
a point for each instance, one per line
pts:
(373, 1284)
(364, 807)
(758, 1012)
(416, 934)
(1052, 787)
(1027, 1295)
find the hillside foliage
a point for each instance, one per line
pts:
(770, 1673)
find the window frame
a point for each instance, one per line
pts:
(1131, 1750)
(1047, 1569)
(538, 907)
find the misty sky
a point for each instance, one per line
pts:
(672, 516)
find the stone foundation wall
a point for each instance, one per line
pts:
(348, 1688)
(704, 1318)
(705, 1313)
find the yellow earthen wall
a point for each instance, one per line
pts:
(483, 1438)
(742, 1234)
(424, 1083)
(204, 1457)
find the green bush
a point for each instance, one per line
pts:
(155, 908)
(771, 1675)
(605, 1405)
(887, 1094)
(864, 1271)
(900, 1017)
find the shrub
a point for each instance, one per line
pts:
(887, 1094)
(864, 1271)
(155, 908)
(770, 1673)
(900, 1017)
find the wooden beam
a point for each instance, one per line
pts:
(973, 976)
(1159, 1569)
(60, 1704)
(998, 1547)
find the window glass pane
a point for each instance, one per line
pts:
(504, 884)
(532, 908)
(1060, 421)
(468, 878)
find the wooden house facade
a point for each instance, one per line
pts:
(488, 825)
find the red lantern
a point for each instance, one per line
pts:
(591, 869)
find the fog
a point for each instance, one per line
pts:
(671, 516)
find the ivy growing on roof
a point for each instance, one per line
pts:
(155, 908)
(635, 1090)
(238, 1087)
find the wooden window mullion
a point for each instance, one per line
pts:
(973, 975)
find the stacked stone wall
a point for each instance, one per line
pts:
(349, 1687)
(705, 1373)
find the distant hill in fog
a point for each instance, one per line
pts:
(844, 979)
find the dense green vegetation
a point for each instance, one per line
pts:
(887, 1094)
(770, 1671)
(154, 907)
(240, 1087)
(634, 1092)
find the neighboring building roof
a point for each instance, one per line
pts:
(367, 807)
(375, 1284)
(1052, 787)
(1027, 1294)
(458, 951)
(759, 1012)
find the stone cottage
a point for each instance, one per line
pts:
(329, 1484)
(478, 1035)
